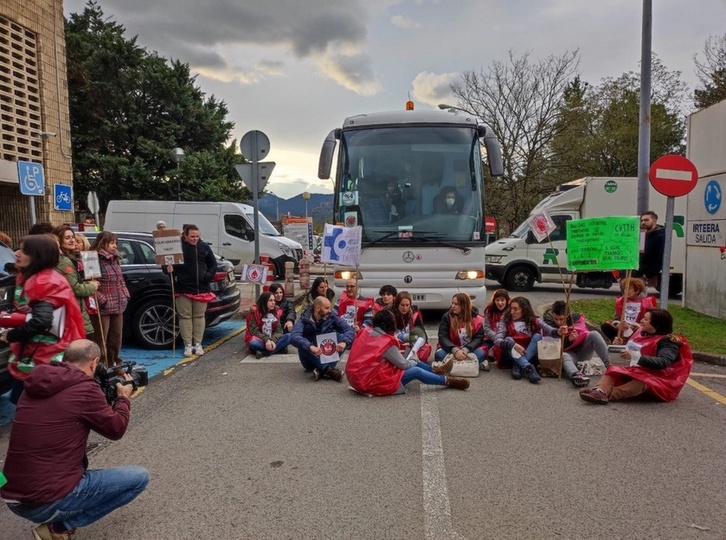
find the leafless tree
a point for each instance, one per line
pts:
(711, 73)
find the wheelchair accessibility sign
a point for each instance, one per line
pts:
(63, 197)
(31, 178)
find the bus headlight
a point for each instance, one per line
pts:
(470, 274)
(346, 274)
(493, 259)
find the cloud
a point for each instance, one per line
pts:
(404, 22)
(433, 89)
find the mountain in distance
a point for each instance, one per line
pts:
(320, 207)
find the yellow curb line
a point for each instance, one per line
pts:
(710, 375)
(710, 393)
(211, 347)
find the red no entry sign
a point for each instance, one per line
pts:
(673, 176)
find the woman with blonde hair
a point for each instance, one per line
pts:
(461, 331)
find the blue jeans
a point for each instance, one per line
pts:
(97, 494)
(530, 353)
(422, 372)
(311, 361)
(441, 354)
(256, 344)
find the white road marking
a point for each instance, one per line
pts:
(436, 506)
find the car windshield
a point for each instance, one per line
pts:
(411, 183)
(266, 227)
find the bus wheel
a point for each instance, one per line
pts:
(519, 279)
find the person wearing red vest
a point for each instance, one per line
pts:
(264, 332)
(660, 363)
(461, 331)
(518, 333)
(353, 308)
(409, 325)
(492, 314)
(635, 305)
(47, 316)
(375, 365)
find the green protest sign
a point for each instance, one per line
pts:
(604, 243)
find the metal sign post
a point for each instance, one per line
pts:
(32, 182)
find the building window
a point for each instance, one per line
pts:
(20, 117)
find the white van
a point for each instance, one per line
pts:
(227, 227)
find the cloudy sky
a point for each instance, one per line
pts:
(295, 69)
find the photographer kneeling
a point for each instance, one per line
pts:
(46, 461)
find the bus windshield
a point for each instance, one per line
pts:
(411, 184)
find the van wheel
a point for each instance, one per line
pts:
(152, 325)
(519, 279)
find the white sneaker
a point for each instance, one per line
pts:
(198, 350)
(188, 350)
(484, 366)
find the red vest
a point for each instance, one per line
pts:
(361, 306)
(254, 312)
(580, 326)
(518, 337)
(665, 384)
(645, 303)
(366, 369)
(476, 323)
(48, 286)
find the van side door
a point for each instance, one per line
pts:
(237, 240)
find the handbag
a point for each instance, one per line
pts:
(549, 353)
(462, 368)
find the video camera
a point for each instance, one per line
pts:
(107, 378)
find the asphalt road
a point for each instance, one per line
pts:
(246, 449)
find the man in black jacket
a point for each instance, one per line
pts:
(651, 260)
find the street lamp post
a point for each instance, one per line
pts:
(306, 196)
(178, 155)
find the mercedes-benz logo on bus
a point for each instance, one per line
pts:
(408, 257)
(408, 279)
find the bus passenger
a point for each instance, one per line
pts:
(448, 201)
(409, 325)
(461, 330)
(518, 332)
(375, 365)
(492, 314)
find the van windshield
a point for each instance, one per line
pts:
(266, 227)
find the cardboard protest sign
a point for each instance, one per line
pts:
(604, 243)
(91, 264)
(541, 224)
(254, 273)
(168, 247)
(341, 245)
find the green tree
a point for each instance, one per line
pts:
(129, 108)
(711, 73)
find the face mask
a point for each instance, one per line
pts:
(450, 201)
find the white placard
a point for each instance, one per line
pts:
(341, 245)
(91, 264)
(254, 273)
(328, 344)
(541, 224)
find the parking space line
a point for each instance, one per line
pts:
(436, 505)
(710, 393)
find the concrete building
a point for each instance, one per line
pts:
(706, 223)
(34, 117)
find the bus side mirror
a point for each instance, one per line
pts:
(494, 152)
(326, 154)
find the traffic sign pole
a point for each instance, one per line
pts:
(666, 271)
(31, 201)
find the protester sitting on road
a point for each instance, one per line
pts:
(46, 464)
(288, 310)
(320, 287)
(386, 295)
(492, 314)
(354, 308)
(263, 334)
(375, 364)
(660, 363)
(579, 343)
(635, 306)
(461, 331)
(305, 335)
(518, 332)
(409, 325)
(42, 298)
(68, 267)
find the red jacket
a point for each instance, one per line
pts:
(43, 348)
(366, 369)
(665, 384)
(47, 452)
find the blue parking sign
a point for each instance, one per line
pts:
(63, 197)
(31, 178)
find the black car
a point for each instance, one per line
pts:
(7, 287)
(148, 317)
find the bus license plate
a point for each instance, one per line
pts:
(418, 297)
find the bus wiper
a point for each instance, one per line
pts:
(384, 237)
(464, 250)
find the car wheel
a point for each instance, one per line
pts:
(519, 279)
(152, 325)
